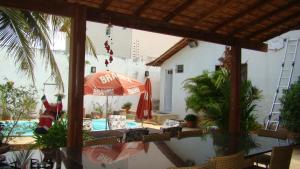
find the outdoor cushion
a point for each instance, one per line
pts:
(171, 123)
(117, 122)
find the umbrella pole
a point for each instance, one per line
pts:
(106, 123)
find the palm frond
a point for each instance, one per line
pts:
(39, 36)
(89, 46)
(14, 35)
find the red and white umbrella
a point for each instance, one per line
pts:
(107, 154)
(144, 107)
(107, 83)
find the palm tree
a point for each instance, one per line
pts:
(21, 32)
(210, 93)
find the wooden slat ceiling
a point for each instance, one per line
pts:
(246, 22)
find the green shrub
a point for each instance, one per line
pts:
(190, 117)
(210, 93)
(127, 105)
(55, 138)
(290, 112)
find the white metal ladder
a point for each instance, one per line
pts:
(284, 81)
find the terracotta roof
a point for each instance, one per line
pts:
(247, 23)
(170, 52)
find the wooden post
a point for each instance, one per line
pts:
(76, 77)
(235, 78)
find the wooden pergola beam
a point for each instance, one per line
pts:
(55, 7)
(297, 26)
(240, 15)
(140, 9)
(170, 29)
(264, 17)
(76, 76)
(274, 25)
(235, 95)
(103, 16)
(212, 12)
(105, 4)
(179, 9)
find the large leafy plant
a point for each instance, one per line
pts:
(210, 93)
(15, 103)
(290, 112)
(55, 138)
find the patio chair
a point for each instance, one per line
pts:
(191, 133)
(194, 167)
(266, 158)
(156, 137)
(280, 158)
(173, 131)
(136, 134)
(117, 122)
(234, 161)
(102, 141)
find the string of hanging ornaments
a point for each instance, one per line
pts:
(108, 45)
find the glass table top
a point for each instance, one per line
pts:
(176, 152)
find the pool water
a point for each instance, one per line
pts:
(25, 128)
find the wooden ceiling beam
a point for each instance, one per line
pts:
(212, 12)
(179, 9)
(283, 8)
(268, 37)
(170, 29)
(274, 25)
(139, 10)
(61, 8)
(105, 4)
(103, 16)
(240, 15)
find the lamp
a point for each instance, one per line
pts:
(146, 73)
(93, 69)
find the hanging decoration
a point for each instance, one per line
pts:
(108, 45)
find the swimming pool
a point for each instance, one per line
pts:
(25, 128)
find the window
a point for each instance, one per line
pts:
(179, 68)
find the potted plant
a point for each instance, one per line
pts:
(290, 111)
(17, 102)
(98, 111)
(191, 120)
(127, 106)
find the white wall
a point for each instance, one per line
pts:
(122, 38)
(121, 65)
(263, 71)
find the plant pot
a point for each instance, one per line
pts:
(49, 153)
(4, 148)
(6, 118)
(191, 124)
(127, 110)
